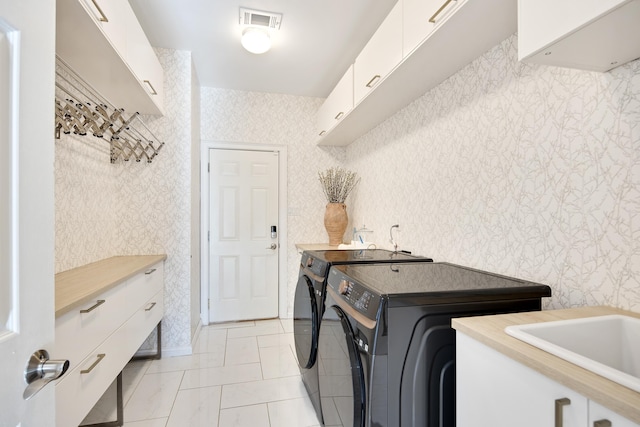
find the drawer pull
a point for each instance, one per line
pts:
(153, 304)
(373, 80)
(153, 90)
(150, 271)
(339, 115)
(560, 404)
(94, 306)
(435, 15)
(103, 17)
(602, 423)
(94, 364)
(322, 133)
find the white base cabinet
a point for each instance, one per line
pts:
(494, 390)
(100, 337)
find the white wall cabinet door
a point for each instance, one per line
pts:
(381, 54)
(103, 42)
(421, 17)
(494, 390)
(595, 35)
(142, 59)
(338, 104)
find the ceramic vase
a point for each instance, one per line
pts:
(335, 222)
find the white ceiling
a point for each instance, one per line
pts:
(317, 42)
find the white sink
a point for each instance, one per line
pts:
(606, 345)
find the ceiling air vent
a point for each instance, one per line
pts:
(260, 18)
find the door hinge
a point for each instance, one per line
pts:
(208, 167)
(208, 236)
(208, 304)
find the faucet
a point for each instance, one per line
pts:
(392, 240)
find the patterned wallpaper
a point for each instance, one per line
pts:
(135, 208)
(525, 170)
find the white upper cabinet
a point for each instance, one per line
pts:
(103, 42)
(407, 56)
(595, 35)
(338, 103)
(143, 60)
(382, 54)
(421, 17)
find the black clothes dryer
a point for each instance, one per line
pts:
(309, 302)
(387, 352)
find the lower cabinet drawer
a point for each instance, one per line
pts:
(145, 320)
(82, 330)
(144, 285)
(79, 390)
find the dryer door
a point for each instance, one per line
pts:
(341, 374)
(305, 323)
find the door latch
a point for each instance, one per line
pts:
(40, 371)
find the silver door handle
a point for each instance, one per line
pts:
(273, 246)
(40, 371)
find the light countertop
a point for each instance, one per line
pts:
(79, 285)
(315, 247)
(490, 331)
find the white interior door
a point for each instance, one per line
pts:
(243, 252)
(27, 36)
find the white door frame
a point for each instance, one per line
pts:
(205, 146)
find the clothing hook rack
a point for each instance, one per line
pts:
(80, 109)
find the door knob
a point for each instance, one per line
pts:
(273, 246)
(40, 371)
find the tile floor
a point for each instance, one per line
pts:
(240, 374)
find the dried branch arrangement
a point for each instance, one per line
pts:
(337, 183)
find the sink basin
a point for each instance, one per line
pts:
(606, 345)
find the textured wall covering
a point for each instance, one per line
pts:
(135, 208)
(262, 118)
(530, 171)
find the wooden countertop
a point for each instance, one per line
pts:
(490, 331)
(79, 285)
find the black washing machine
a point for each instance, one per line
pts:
(309, 302)
(387, 353)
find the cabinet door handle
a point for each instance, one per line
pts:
(560, 404)
(94, 364)
(435, 15)
(602, 423)
(103, 17)
(93, 307)
(153, 304)
(150, 271)
(373, 80)
(153, 90)
(322, 133)
(339, 115)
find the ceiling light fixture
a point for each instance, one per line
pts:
(258, 27)
(256, 40)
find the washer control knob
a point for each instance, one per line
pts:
(343, 288)
(309, 262)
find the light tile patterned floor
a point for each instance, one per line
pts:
(240, 374)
